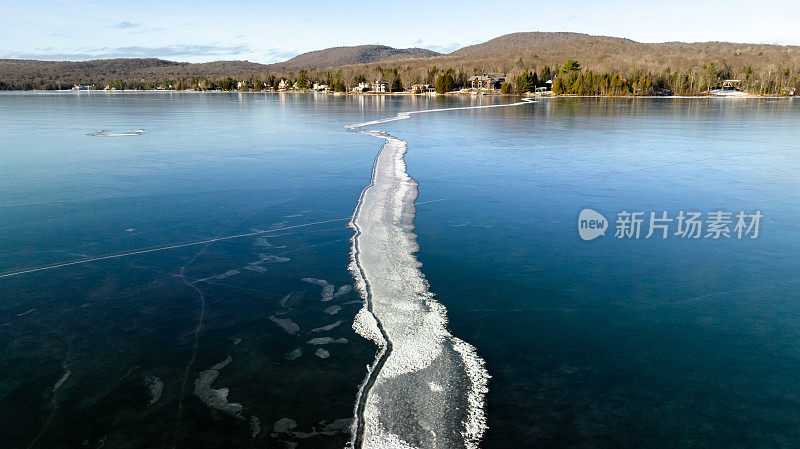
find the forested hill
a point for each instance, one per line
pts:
(361, 54)
(31, 74)
(517, 41)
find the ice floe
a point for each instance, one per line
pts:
(343, 290)
(273, 258)
(294, 354)
(286, 298)
(327, 289)
(228, 274)
(333, 310)
(287, 426)
(286, 324)
(284, 425)
(255, 426)
(326, 341)
(321, 353)
(61, 380)
(215, 398)
(256, 268)
(156, 387)
(327, 327)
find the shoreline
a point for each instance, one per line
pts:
(380, 94)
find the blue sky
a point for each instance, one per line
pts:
(200, 30)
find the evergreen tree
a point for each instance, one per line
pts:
(397, 85)
(302, 80)
(445, 83)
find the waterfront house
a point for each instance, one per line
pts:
(321, 87)
(422, 88)
(732, 85)
(485, 82)
(283, 85)
(362, 87)
(380, 86)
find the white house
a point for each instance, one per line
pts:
(362, 87)
(380, 86)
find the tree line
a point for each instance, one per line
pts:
(568, 78)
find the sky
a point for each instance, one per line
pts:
(259, 31)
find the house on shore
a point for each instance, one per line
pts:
(422, 89)
(380, 86)
(363, 87)
(732, 85)
(283, 85)
(321, 87)
(485, 82)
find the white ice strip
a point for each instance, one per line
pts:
(107, 133)
(20, 315)
(61, 380)
(327, 289)
(408, 114)
(426, 388)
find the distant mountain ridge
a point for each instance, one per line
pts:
(360, 54)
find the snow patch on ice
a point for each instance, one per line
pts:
(215, 398)
(333, 310)
(327, 327)
(286, 324)
(327, 289)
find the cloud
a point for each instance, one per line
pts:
(171, 51)
(124, 25)
(441, 48)
(274, 55)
